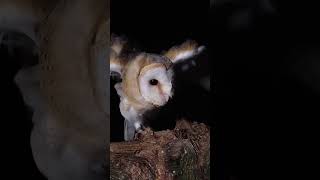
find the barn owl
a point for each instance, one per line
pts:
(146, 79)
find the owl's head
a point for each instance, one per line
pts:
(154, 78)
(150, 76)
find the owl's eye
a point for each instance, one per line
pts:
(153, 82)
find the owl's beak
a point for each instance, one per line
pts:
(164, 100)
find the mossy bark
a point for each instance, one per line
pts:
(182, 153)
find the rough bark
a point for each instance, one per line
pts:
(182, 153)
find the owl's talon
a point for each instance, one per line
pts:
(129, 130)
(138, 135)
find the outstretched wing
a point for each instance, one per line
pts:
(183, 52)
(118, 44)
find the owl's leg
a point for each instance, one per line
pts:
(139, 127)
(129, 130)
(132, 122)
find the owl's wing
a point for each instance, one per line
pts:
(118, 88)
(115, 65)
(185, 51)
(191, 63)
(118, 44)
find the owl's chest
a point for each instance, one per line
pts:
(129, 110)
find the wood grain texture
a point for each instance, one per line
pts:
(182, 153)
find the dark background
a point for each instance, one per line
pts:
(154, 26)
(267, 64)
(16, 123)
(266, 69)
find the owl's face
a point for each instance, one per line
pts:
(148, 77)
(155, 83)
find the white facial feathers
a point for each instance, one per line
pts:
(176, 54)
(155, 85)
(154, 69)
(146, 79)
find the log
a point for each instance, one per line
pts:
(181, 153)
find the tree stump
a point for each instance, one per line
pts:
(181, 153)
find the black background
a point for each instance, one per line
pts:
(16, 156)
(154, 26)
(267, 74)
(267, 98)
